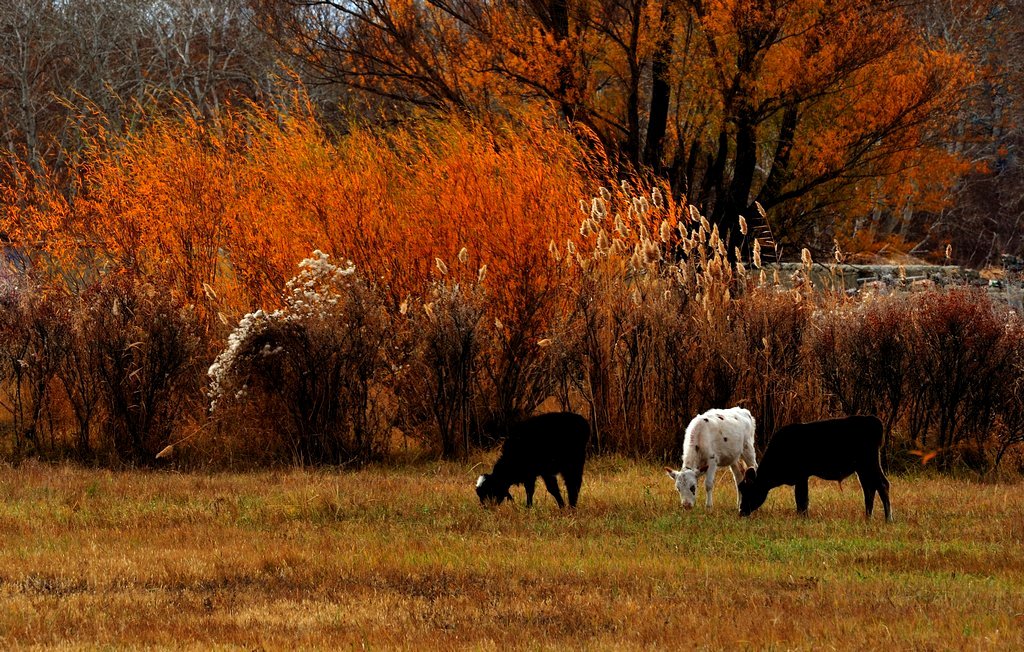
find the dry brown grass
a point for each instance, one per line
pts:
(405, 558)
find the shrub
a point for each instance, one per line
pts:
(120, 355)
(959, 357)
(916, 362)
(313, 366)
(1009, 422)
(77, 369)
(34, 337)
(862, 356)
(771, 327)
(145, 352)
(440, 383)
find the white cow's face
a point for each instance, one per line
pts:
(686, 485)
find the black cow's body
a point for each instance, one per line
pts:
(546, 445)
(833, 450)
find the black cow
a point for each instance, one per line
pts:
(545, 446)
(832, 449)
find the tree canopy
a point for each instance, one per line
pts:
(814, 109)
(857, 119)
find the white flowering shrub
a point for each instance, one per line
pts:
(309, 370)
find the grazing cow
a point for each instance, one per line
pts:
(714, 439)
(832, 449)
(545, 446)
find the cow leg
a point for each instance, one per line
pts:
(737, 471)
(802, 498)
(709, 484)
(867, 483)
(551, 482)
(874, 480)
(883, 493)
(529, 485)
(573, 481)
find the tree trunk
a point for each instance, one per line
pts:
(661, 93)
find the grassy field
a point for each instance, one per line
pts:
(406, 558)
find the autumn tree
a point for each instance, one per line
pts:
(819, 109)
(813, 109)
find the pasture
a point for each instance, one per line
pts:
(406, 558)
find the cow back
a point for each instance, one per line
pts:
(546, 444)
(831, 449)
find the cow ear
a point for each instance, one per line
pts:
(750, 475)
(670, 473)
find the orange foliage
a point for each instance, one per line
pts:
(871, 99)
(223, 210)
(868, 246)
(817, 109)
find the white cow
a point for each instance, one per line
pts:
(715, 439)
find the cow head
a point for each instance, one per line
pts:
(752, 493)
(686, 485)
(490, 491)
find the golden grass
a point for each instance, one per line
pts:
(406, 558)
